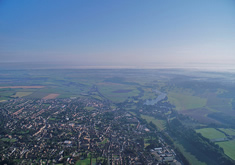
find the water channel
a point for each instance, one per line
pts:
(160, 97)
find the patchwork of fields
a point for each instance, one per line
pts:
(222, 140)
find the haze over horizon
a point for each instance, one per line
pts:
(118, 34)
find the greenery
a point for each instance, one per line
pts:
(210, 133)
(160, 124)
(229, 148)
(184, 100)
(211, 151)
(22, 94)
(228, 131)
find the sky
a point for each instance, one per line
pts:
(118, 33)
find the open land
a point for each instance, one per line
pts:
(210, 133)
(24, 87)
(228, 147)
(51, 96)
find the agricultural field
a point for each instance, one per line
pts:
(148, 94)
(23, 87)
(229, 148)
(22, 94)
(51, 96)
(184, 100)
(117, 92)
(228, 131)
(160, 124)
(211, 133)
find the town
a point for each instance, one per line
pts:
(81, 131)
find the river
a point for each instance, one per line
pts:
(160, 97)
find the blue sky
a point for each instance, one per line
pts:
(118, 33)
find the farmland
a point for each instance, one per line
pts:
(160, 124)
(229, 148)
(184, 100)
(51, 96)
(23, 87)
(210, 133)
(228, 131)
(22, 94)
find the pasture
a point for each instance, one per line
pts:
(160, 124)
(148, 94)
(24, 87)
(184, 100)
(210, 133)
(229, 148)
(117, 92)
(22, 94)
(51, 96)
(228, 131)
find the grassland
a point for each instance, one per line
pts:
(228, 131)
(210, 133)
(184, 100)
(117, 92)
(160, 124)
(24, 87)
(22, 94)
(229, 148)
(148, 94)
(51, 96)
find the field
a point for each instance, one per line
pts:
(184, 100)
(160, 124)
(228, 131)
(22, 94)
(210, 133)
(24, 87)
(229, 148)
(51, 96)
(117, 92)
(148, 94)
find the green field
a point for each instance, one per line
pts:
(148, 94)
(5, 94)
(229, 148)
(22, 94)
(184, 100)
(160, 124)
(228, 131)
(210, 133)
(117, 92)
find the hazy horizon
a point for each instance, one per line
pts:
(118, 34)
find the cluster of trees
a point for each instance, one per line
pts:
(224, 118)
(211, 150)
